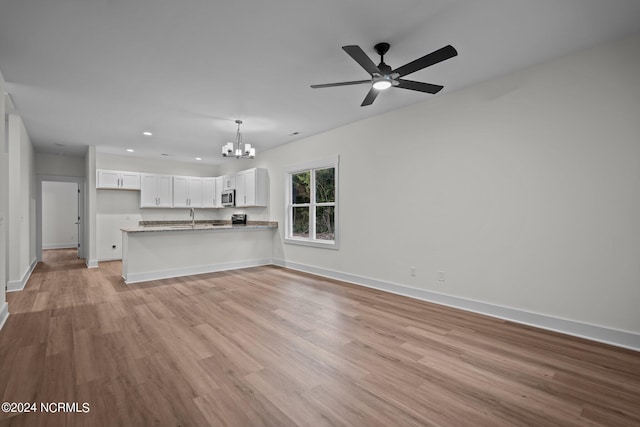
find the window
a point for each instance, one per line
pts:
(312, 207)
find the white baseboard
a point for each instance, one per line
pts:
(91, 263)
(602, 334)
(4, 314)
(59, 246)
(110, 259)
(18, 285)
(189, 271)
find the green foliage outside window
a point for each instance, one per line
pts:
(302, 198)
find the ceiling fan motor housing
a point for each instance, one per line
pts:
(382, 48)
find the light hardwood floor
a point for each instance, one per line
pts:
(270, 346)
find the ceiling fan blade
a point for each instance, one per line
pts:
(371, 96)
(361, 58)
(427, 60)
(419, 86)
(356, 82)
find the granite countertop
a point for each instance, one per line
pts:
(146, 226)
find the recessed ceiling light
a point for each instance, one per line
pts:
(147, 133)
(130, 150)
(198, 158)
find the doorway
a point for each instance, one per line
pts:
(60, 219)
(59, 214)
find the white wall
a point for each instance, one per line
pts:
(21, 248)
(4, 205)
(524, 190)
(59, 215)
(52, 164)
(160, 165)
(116, 209)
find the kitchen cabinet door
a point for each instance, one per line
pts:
(241, 199)
(165, 191)
(219, 185)
(195, 187)
(187, 192)
(117, 180)
(209, 192)
(229, 182)
(156, 191)
(180, 192)
(148, 191)
(252, 187)
(107, 179)
(130, 180)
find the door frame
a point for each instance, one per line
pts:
(81, 207)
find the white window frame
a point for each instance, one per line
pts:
(331, 162)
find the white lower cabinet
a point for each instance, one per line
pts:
(156, 191)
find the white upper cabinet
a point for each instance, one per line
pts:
(117, 180)
(212, 192)
(196, 196)
(156, 191)
(167, 191)
(219, 185)
(209, 192)
(252, 187)
(229, 182)
(188, 192)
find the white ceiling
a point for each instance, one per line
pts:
(100, 72)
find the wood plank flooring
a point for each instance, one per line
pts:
(272, 347)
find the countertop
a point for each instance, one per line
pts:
(155, 226)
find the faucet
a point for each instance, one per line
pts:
(192, 214)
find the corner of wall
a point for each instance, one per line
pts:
(4, 203)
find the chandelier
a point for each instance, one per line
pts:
(235, 149)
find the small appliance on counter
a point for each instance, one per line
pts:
(239, 219)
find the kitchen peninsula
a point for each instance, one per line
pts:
(161, 250)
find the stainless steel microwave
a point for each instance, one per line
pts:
(229, 198)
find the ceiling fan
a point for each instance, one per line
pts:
(383, 77)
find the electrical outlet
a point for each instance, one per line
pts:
(412, 271)
(441, 276)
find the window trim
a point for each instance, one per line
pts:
(325, 163)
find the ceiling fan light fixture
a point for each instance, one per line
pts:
(382, 82)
